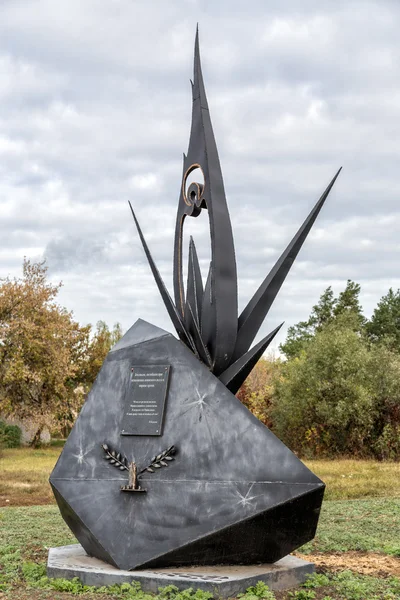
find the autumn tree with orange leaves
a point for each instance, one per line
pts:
(42, 351)
(257, 391)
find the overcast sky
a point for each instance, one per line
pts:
(95, 107)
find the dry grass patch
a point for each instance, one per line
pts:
(349, 479)
(24, 475)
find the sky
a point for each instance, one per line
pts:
(95, 109)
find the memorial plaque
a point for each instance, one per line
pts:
(145, 400)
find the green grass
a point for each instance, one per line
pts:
(365, 525)
(33, 529)
(57, 442)
(348, 586)
(26, 533)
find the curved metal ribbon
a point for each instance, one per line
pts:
(219, 305)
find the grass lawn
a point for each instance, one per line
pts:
(24, 475)
(346, 479)
(356, 549)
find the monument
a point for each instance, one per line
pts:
(165, 468)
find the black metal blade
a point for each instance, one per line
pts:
(194, 292)
(170, 306)
(198, 340)
(255, 312)
(236, 374)
(208, 315)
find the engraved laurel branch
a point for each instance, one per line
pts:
(118, 460)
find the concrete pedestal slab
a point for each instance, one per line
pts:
(223, 581)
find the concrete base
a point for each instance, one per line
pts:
(223, 581)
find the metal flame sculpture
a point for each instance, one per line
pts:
(237, 495)
(206, 320)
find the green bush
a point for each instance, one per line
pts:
(10, 435)
(323, 402)
(339, 397)
(387, 446)
(316, 580)
(255, 592)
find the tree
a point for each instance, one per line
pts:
(385, 321)
(384, 370)
(41, 349)
(324, 312)
(323, 402)
(348, 301)
(99, 346)
(340, 396)
(298, 335)
(256, 392)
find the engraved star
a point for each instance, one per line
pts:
(200, 403)
(80, 458)
(246, 500)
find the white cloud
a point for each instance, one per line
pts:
(95, 111)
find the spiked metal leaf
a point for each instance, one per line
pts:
(194, 293)
(170, 306)
(237, 373)
(255, 312)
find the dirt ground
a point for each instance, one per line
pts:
(365, 563)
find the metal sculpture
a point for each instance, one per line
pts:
(206, 320)
(237, 494)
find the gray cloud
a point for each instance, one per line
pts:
(95, 111)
